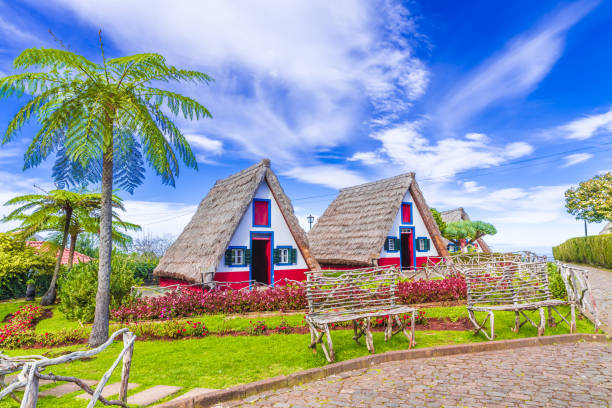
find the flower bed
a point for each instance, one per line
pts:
(186, 303)
(19, 325)
(428, 291)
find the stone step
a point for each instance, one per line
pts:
(109, 389)
(189, 394)
(66, 388)
(152, 395)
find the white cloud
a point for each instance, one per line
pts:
(573, 159)
(326, 175)
(526, 218)
(204, 147)
(586, 127)
(472, 186)
(404, 146)
(301, 72)
(516, 70)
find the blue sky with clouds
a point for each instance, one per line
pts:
(497, 107)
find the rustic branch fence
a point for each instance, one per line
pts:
(30, 372)
(579, 291)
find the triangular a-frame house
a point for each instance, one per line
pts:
(244, 231)
(459, 214)
(386, 222)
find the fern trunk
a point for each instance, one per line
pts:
(99, 330)
(51, 293)
(73, 239)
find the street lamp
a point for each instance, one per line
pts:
(310, 219)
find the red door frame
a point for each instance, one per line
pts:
(411, 248)
(269, 237)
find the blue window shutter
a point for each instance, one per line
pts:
(398, 244)
(294, 256)
(386, 244)
(228, 257)
(247, 256)
(276, 256)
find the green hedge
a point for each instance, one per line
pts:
(593, 250)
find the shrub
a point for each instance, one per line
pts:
(555, 282)
(185, 303)
(16, 260)
(77, 288)
(593, 250)
(427, 291)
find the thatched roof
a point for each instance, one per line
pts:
(607, 229)
(201, 245)
(459, 214)
(353, 229)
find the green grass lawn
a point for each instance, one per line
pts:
(219, 362)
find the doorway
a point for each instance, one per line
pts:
(407, 248)
(260, 263)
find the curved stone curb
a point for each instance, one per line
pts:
(244, 390)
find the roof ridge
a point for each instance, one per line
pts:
(381, 181)
(244, 173)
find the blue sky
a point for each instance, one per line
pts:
(498, 108)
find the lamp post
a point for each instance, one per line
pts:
(310, 219)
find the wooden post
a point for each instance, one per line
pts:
(573, 319)
(30, 395)
(127, 362)
(542, 322)
(492, 317)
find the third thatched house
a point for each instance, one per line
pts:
(386, 222)
(459, 214)
(244, 231)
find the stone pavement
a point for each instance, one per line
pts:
(601, 285)
(568, 375)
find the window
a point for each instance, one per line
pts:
(237, 256)
(406, 213)
(285, 255)
(392, 244)
(261, 213)
(422, 244)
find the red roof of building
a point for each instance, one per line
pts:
(78, 257)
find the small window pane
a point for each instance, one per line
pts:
(284, 255)
(391, 244)
(237, 256)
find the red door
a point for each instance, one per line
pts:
(407, 248)
(261, 259)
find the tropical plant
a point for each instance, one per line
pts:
(438, 217)
(103, 120)
(464, 233)
(591, 201)
(40, 212)
(78, 288)
(84, 221)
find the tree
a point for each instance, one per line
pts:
(150, 247)
(438, 217)
(591, 201)
(16, 258)
(89, 222)
(37, 211)
(103, 120)
(464, 233)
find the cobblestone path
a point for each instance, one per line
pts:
(601, 285)
(569, 375)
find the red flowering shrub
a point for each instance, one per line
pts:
(20, 326)
(428, 291)
(257, 328)
(184, 303)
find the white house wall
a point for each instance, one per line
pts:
(282, 234)
(420, 230)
